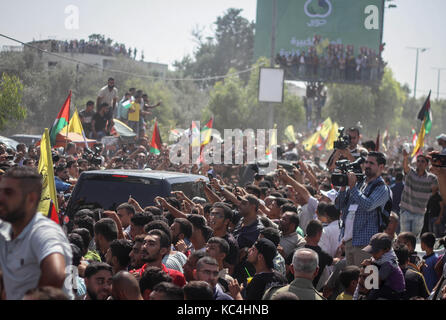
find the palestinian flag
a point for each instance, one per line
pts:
(127, 104)
(206, 132)
(414, 137)
(424, 115)
(195, 135)
(52, 213)
(272, 144)
(155, 146)
(61, 121)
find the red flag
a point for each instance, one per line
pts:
(61, 121)
(52, 213)
(155, 146)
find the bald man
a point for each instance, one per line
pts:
(125, 287)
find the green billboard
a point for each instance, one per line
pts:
(323, 40)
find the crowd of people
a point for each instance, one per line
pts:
(100, 46)
(335, 62)
(288, 234)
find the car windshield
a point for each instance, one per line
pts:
(108, 192)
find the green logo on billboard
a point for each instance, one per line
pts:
(318, 8)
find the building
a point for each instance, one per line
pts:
(93, 53)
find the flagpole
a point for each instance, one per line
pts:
(68, 125)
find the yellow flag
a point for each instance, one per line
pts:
(332, 136)
(75, 124)
(289, 133)
(312, 141)
(420, 139)
(47, 172)
(325, 128)
(272, 142)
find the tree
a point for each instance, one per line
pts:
(235, 105)
(376, 108)
(231, 46)
(11, 93)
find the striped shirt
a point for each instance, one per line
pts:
(417, 191)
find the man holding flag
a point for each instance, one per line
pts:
(418, 182)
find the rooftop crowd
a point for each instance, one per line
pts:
(289, 234)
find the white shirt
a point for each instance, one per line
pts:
(348, 233)
(20, 258)
(308, 213)
(107, 96)
(329, 241)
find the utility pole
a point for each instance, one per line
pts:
(272, 58)
(416, 67)
(438, 81)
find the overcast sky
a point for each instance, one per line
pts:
(162, 28)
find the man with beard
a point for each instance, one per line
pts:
(34, 250)
(98, 280)
(290, 240)
(135, 255)
(156, 245)
(181, 231)
(109, 95)
(359, 208)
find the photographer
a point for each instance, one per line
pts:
(360, 220)
(351, 152)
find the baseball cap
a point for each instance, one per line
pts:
(380, 241)
(331, 194)
(267, 249)
(442, 137)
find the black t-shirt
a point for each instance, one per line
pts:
(261, 282)
(433, 205)
(99, 122)
(324, 260)
(232, 257)
(415, 284)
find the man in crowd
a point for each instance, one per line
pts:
(290, 240)
(207, 270)
(125, 213)
(351, 153)
(359, 206)
(99, 122)
(441, 139)
(305, 269)
(418, 186)
(98, 279)
(118, 255)
(156, 245)
(105, 231)
(34, 251)
(86, 116)
(109, 95)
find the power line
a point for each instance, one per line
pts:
(129, 73)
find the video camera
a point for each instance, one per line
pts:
(439, 160)
(340, 179)
(93, 156)
(343, 141)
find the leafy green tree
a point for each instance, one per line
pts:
(375, 108)
(11, 93)
(231, 46)
(235, 105)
